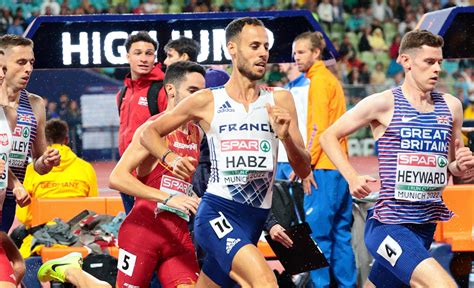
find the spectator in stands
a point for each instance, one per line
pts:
(325, 13)
(379, 9)
(462, 85)
(364, 73)
(19, 14)
(73, 177)
(408, 24)
(394, 47)
(6, 19)
(226, 6)
(34, 13)
(469, 111)
(274, 75)
(73, 120)
(338, 11)
(364, 44)
(346, 47)
(393, 66)
(399, 11)
(51, 112)
(133, 107)
(378, 76)
(356, 20)
(396, 80)
(16, 28)
(353, 77)
(63, 106)
(181, 49)
(377, 42)
(50, 7)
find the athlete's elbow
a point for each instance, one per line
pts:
(114, 181)
(324, 139)
(145, 135)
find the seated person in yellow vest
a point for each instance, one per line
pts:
(73, 177)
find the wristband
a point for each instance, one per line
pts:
(163, 158)
(168, 199)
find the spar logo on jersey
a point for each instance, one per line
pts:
(245, 145)
(239, 145)
(4, 139)
(422, 160)
(173, 185)
(21, 131)
(226, 107)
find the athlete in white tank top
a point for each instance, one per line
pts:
(243, 150)
(5, 146)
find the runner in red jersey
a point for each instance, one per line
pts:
(151, 238)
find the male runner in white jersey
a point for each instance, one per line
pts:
(28, 136)
(418, 132)
(242, 123)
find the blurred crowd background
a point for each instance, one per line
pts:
(366, 34)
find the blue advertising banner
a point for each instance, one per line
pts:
(456, 26)
(98, 40)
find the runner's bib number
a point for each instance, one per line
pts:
(19, 152)
(420, 176)
(245, 160)
(126, 262)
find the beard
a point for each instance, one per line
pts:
(245, 70)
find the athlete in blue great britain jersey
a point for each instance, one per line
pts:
(243, 150)
(413, 161)
(419, 135)
(18, 51)
(24, 135)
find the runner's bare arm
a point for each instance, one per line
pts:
(123, 180)
(11, 116)
(365, 112)
(44, 158)
(298, 156)
(14, 256)
(460, 157)
(21, 195)
(197, 107)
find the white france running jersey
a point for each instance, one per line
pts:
(243, 150)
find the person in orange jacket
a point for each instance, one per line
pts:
(328, 204)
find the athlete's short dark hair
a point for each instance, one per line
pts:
(141, 36)
(184, 45)
(417, 38)
(176, 72)
(56, 131)
(235, 27)
(9, 40)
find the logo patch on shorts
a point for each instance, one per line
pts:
(390, 250)
(231, 242)
(126, 262)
